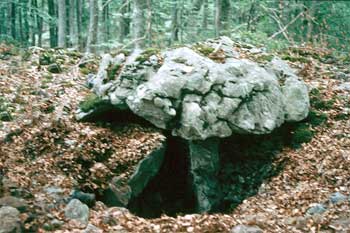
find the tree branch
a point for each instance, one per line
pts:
(286, 26)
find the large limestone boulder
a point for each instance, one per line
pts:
(200, 94)
(197, 98)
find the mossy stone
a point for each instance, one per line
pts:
(145, 55)
(203, 49)
(54, 68)
(112, 71)
(46, 59)
(5, 116)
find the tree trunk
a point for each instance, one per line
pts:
(105, 21)
(310, 24)
(123, 21)
(61, 23)
(12, 14)
(92, 34)
(52, 23)
(205, 16)
(79, 12)
(175, 23)
(217, 18)
(251, 16)
(225, 15)
(73, 38)
(2, 21)
(138, 24)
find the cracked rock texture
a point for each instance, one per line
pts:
(198, 98)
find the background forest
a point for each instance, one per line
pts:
(111, 24)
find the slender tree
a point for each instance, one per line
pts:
(62, 23)
(52, 23)
(93, 24)
(138, 23)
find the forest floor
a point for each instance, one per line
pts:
(39, 136)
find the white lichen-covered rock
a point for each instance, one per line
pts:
(198, 98)
(295, 91)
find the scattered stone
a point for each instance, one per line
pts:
(337, 198)
(57, 223)
(316, 209)
(246, 229)
(343, 87)
(87, 198)
(14, 202)
(10, 221)
(77, 211)
(5, 116)
(54, 224)
(54, 68)
(92, 229)
(341, 225)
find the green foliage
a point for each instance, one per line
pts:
(291, 58)
(46, 58)
(259, 39)
(318, 102)
(90, 102)
(316, 118)
(342, 116)
(5, 113)
(301, 134)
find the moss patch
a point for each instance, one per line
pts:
(295, 58)
(301, 134)
(318, 102)
(90, 102)
(203, 49)
(145, 55)
(5, 114)
(112, 71)
(316, 118)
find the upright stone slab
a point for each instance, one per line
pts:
(123, 189)
(204, 167)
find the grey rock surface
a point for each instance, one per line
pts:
(316, 209)
(337, 198)
(121, 191)
(246, 229)
(14, 202)
(78, 211)
(10, 221)
(92, 229)
(198, 98)
(204, 168)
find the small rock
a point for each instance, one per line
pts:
(78, 211)
(87, 198)
(337, 198)
(246, 229)
(343, 87)
(9, 220)
(57, 223)
(5, 116)
(316, 209)
(92, 229)
(54, 68)
(14, 202)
